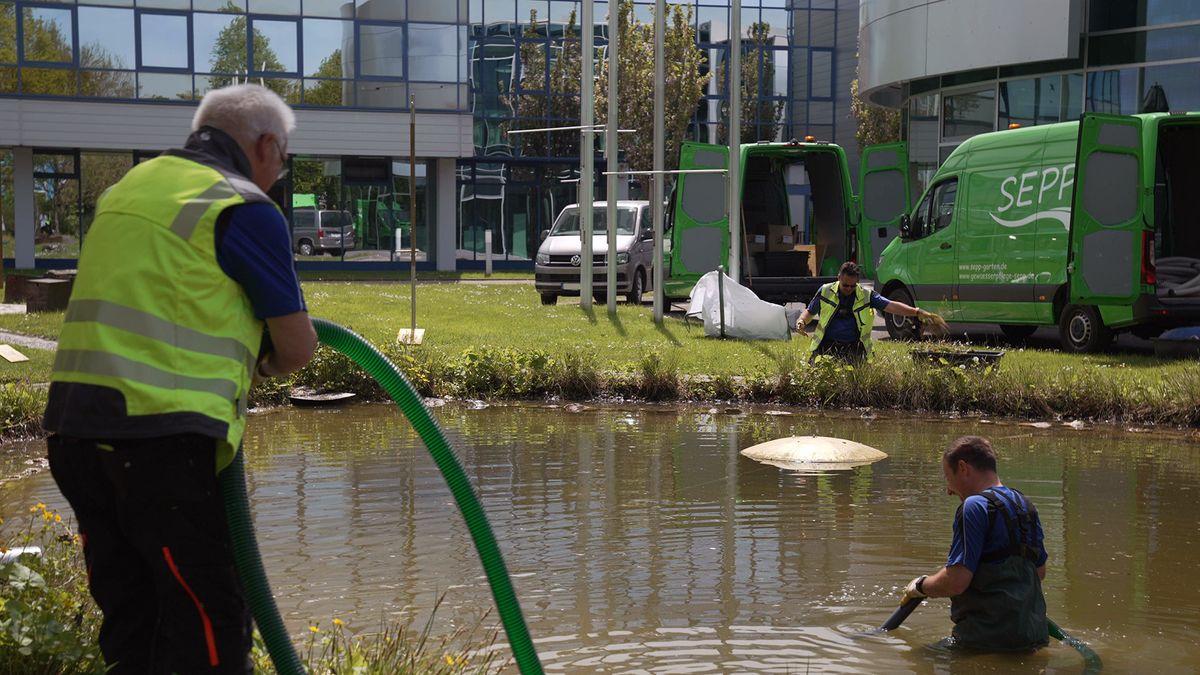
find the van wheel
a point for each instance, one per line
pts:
(1080, 329)
(639, 287)
(1017, 332)
(549, 299)
(902, 327)
(305, 247)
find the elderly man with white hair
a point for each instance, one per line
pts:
(186, 296)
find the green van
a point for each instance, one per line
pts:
(799, 214)
(1088, 225)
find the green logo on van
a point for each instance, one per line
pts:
(1053, 180)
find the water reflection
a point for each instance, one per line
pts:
(639, 540)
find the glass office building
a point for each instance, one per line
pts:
(1025, 62)
(89, 88)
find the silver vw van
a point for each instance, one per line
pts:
(558, 263)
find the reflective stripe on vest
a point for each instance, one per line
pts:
(864, 314)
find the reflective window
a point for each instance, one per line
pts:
(943, 203)
(287, 7)
(107, 83)
(434, 51)
(380, 50)
(275, 46)
(1113, 91)
(524, 7)
(820, 73)
(1176, 85)
(560, 12)
(8, 32)
(777, 21)
(164, 41)
(1108, 15)
(712, 24)
(968, 113)
(436, 96)
(380, 9)
(49, 81)
(48, 35)
(444, 11)
(165, 4)
(8, 79)
(325, 40)
(475, 13)
(343, 9)
(1152, 45)
(219, 43)
(381, 94)
(333, 93)
(165, 86)
(223, 6)
(106, 38)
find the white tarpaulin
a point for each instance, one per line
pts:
(746, 316)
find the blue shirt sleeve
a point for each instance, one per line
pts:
(255, 250)
(878, 302)
(814, 306)
(970, 530)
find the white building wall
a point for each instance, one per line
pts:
(142, 126)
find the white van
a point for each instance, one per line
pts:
(558, 262)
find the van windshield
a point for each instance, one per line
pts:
(568, 222)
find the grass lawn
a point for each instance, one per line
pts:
(505, 331)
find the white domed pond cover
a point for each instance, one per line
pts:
(814, 453)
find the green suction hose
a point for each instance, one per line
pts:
(249, 563)
(1091, 660)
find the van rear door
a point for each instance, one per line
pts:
(1107, 219)
(883, 181)
(700, 231)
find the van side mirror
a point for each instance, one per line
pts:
(647, 235)
(905, 226)
(545, 233)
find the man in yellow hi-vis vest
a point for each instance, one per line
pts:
(185, 263)
(845, 315)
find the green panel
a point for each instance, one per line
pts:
(1106, 230)
(884, 183)
(700, 229)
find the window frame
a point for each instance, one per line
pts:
(299, 55)
(832, 73)
(22, 61)
(358, 47)
(137, 35)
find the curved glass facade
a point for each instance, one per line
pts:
(1136, 56)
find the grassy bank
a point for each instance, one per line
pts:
(49, 623)
(497, 341)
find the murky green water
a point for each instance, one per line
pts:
(639, 540)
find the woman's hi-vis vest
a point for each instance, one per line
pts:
(864, 315)
(152, 315)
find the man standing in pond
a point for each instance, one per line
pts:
(845, 315)
(997, 560)
(185, 263)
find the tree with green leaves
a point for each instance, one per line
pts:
(327, 92)
(230, 62)
(684, 84)
(760, 118)
(873, 124)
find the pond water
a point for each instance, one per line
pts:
(640, 541)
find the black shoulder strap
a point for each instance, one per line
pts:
(1020, 527)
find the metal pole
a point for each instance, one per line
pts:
(656, 193)
(610, 153)
(721, 296)
(487, 252)
(587, 117)
(412, 207)
(734, 78)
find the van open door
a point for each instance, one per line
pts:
(700, 228)
(1107, 221)
(883, 183)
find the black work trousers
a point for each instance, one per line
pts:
(160, 563)
(850, 352)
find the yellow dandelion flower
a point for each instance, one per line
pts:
(449, 660)
(57, 518)
(46, 515)
(339, 622)
(41, 506)
(314, 629)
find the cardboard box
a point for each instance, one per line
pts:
(757, 243)
(812, 256)
(780, 238)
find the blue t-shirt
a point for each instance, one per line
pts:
(973, 538)
(255, 250)
(843, 327)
